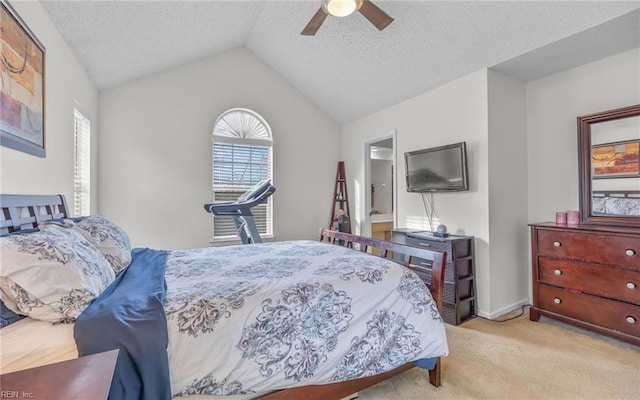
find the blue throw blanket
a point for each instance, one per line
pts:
(130, 316)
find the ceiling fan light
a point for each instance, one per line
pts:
(341, 8)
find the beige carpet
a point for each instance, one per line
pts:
(520, 359)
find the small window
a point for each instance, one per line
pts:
(242, 156)
(81, 163)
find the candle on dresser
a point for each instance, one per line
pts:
(573, 217)
(561, 218)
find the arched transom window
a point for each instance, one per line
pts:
(242, 157)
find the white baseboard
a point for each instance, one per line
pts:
(503, 310)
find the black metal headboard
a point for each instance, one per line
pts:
(23, 212)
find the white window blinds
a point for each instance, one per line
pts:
(241, 157)
(81, 163)
(240, 165)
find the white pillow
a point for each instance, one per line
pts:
(104, 235)
(108, 238)
(51, 275)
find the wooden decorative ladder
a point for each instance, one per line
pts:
(340, 199)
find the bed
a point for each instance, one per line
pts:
(317, 319)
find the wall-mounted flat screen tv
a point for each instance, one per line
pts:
(437, 169)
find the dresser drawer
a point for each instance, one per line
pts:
(602, 280)
(453, 291)
(455, 314)
(421, 264)
(455, 249)
(435, 245)
(601, 248)
(448, 291)
(617, 315)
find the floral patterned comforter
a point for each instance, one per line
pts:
(245, 319)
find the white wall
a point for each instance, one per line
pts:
(522, 149)
(553, 104)
(452, 113)
(155, 148)
(381, 179)
(65, 81)
(508, 200)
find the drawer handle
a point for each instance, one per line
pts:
(631, 285)
(557, 300)
(558, 272)
(631, 319)
(630, 252)
(557, 244)
(424, 244)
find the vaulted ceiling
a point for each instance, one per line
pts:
(349, 69)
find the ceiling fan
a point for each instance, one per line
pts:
(343, 8)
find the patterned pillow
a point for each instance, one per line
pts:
(108, 238)
(598, 205)
(51, 275)
(622, 206)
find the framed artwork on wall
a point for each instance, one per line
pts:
(616, 160)
(22, 84)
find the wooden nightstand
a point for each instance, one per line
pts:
(83, 378)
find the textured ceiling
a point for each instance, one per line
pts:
(349, 69)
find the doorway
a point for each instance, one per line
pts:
(380, 187)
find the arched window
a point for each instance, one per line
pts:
(242, 154)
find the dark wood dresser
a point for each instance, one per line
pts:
(588, 276)
(459, 296)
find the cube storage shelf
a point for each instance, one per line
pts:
(459, 300)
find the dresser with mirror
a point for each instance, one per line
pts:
(588, 274)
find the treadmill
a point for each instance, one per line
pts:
(240, 210)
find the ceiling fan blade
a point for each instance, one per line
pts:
(375, 15)
(315, 23)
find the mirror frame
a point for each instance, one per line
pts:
(584, 166)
